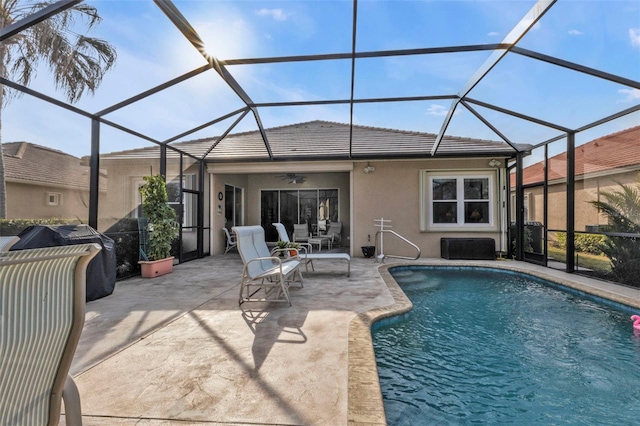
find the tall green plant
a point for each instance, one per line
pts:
(76, 62)
(162, 225)
(622, 208)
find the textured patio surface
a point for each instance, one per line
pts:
(178, 350)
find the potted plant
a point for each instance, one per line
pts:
(295, 249)
(161, 226)
(282, 246)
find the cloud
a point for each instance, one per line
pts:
(276, 14)
(634, 35)
(575, 32)
(630, 94)
(437, 110)
(493, 34)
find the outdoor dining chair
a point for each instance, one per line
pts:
(231, 241)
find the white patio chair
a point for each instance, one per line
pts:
(307, 256)
(300, 233)
(334, 231)
(230, 241)
(265, 278)
(42, 309)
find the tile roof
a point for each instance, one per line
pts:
(31, 163)
(324, 140)
(606, 154)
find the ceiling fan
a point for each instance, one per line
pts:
(293, 177)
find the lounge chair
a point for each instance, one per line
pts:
(306, 253)
(230, 240)
(42, 309)
(263, 271)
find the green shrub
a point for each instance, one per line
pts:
(584, 243)
(622, 208)
(9, 227)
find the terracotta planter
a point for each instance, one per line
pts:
(293, 253)
(155, 268)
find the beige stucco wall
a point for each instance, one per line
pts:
(27, 201)
(123, 177)
(217, 183)
(586, 191)
(121, 197)
(393, 192)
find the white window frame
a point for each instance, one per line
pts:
(426, 202)
(57, 199)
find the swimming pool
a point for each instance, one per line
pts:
(490, 346)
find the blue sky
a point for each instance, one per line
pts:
(600, 34)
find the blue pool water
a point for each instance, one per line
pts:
(492, 347)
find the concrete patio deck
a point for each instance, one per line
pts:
(177, 349)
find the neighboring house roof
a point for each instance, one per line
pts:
(324, 140)
(608, 154)
(34, 164)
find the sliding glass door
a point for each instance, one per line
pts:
(232, 206)
(291, 207)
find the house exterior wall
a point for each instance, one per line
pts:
(393, 192)
(121, 199)
(29, 201)
(586, 191)
(254, 183)
(218, 183)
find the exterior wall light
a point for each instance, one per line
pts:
(369, 169)
(494, 163)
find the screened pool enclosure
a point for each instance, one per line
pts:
(550, 87)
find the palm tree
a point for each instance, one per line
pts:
(76, 62)
(622, 208)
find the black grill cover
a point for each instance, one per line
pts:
(101, 271)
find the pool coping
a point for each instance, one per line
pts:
(365, 405)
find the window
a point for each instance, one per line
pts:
(54, 198)
(528, 200)
(232, 206)
(456, 200)
(184, 207)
